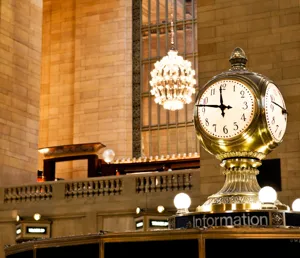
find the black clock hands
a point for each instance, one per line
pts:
(222, 106)
(213, 106)
(284, 111)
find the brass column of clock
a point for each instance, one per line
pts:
(240, 117)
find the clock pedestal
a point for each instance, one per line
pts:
(240, 190)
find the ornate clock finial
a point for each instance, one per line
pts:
(238, 59)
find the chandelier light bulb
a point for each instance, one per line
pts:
(296, 205)
(267, 194)
(182, 203)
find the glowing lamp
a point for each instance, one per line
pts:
(160, 208)
(267, 194)
(296, 205)
(108, 155)
(182, 203)
(37, 216)
(137, 210)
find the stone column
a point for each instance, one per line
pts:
(20, 59)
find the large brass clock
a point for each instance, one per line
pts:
(240, 116)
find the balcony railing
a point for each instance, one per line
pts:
(126, 185)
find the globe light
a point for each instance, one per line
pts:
(18, 218)
(108, 155)
(296, 205)
(160, 208)
(37, 216)
(182, 202)
(137, 210)
(267, 194)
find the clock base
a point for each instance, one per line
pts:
(240, 190)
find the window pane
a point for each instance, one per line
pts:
(180, 39)
(145, 12)
(145, 144)
(162, 11)
(193, 143)
(145, 44)
(189, 38)
(172, 117)
(153, 12)
(146, 77)
(145, 113)
(188, 10)
(153, 42)
(162, 44)
(180, 10)
(163, 142)
(182, 140)
(154, 143)
(163, 116)
(172, 141)
(182, 115)
(153, 112)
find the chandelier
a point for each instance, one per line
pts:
(173, 80)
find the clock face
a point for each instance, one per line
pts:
(275, 111)
(226, 109)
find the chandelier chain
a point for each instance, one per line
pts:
(172, 27)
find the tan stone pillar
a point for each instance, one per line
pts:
(20, 55)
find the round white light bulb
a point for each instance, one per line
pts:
(296, 205)
(160, 208)
(18, 218)
(182, 202)
(267, 194)
(108, 155)
(138, 210)
(37, 216)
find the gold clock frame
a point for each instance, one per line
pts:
(255, 141)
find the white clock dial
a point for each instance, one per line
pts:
(275, 111)
(226, 109)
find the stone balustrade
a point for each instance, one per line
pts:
(163, 182)
(132, 184)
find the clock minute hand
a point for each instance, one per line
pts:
(213, 106)
(221, 97)
(284, 111)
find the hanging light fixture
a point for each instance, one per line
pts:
(173, 78)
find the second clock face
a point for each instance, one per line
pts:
(226, 109)
(276, 114)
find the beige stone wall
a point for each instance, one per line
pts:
(20, 54)
(268, 31)
(86, 77)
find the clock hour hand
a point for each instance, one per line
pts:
(284, 111)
